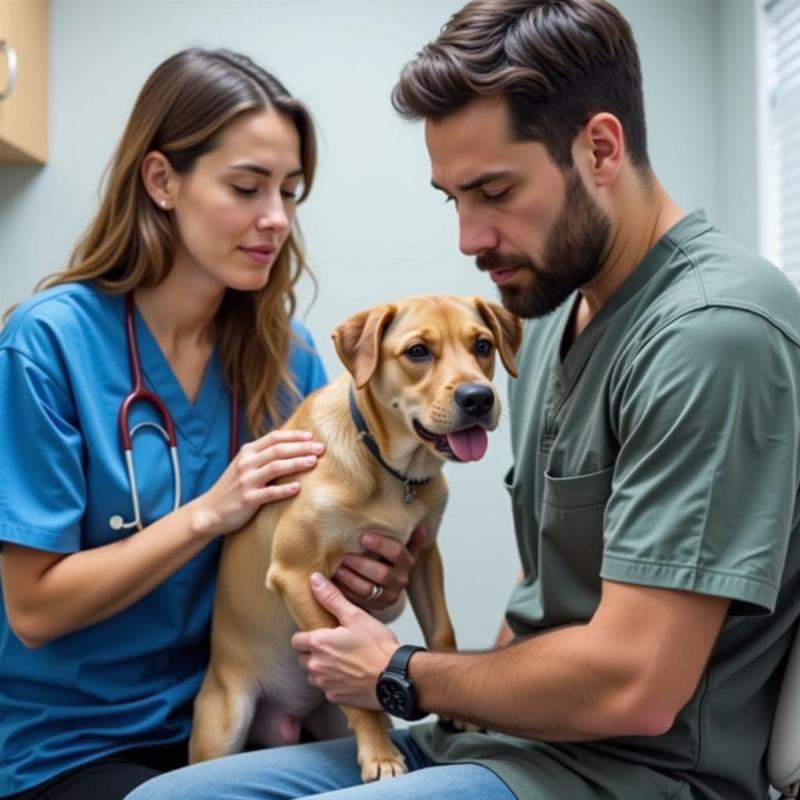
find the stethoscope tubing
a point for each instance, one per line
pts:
(141, 394)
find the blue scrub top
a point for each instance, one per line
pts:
(130, 680)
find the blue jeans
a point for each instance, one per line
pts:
(324, 770)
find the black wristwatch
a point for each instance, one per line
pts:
(396, 693)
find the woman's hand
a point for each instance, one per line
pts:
(247, 483)
(376, 580)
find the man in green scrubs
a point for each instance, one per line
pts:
(655, 425)
(656, 437)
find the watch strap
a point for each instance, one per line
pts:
(398, 663)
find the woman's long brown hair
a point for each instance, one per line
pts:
(181, 111)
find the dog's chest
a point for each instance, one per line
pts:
(387, 514)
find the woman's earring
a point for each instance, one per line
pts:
(163, 204)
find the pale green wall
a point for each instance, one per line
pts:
(737, 151)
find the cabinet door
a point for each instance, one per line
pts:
(23, 114)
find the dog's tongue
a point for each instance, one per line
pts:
(469, 445)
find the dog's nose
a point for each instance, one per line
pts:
(476, 399)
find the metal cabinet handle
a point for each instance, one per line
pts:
(11, 68)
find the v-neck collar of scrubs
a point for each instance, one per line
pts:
(565, 372)
(194, 420)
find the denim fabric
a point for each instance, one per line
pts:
(325, 771)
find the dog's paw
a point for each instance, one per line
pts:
(380, 767)
(460, 726)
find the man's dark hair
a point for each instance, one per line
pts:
(555, 62)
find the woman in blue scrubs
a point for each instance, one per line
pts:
(108, 587)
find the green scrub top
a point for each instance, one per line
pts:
(662, 449)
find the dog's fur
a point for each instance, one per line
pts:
(345, 495)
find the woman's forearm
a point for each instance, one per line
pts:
(48, 595)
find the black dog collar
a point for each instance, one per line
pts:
(372, 446)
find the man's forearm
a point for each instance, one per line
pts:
(628, 671)
(559, 686)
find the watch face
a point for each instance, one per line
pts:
(394, 694)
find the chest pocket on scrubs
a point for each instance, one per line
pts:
(571, 542)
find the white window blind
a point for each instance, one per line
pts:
(782, 51)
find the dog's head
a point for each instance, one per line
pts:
(429, 361)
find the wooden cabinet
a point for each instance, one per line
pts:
(23, 109)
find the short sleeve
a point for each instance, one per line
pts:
(42, 483)
(306, 365)
(704, 486)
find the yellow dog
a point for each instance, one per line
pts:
(417, 393)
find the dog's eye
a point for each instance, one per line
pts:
(418, 352)
(483, 347)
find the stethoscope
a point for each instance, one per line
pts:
(167, 429)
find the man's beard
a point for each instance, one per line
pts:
(572, 256)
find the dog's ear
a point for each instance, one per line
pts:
(506, 329)
(358, 341)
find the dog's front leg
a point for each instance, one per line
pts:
(377, 756)
(426, 592)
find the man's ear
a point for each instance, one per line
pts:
(358, 341)
(506, 329)
(603, 140)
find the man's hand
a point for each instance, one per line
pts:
(345, 661)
